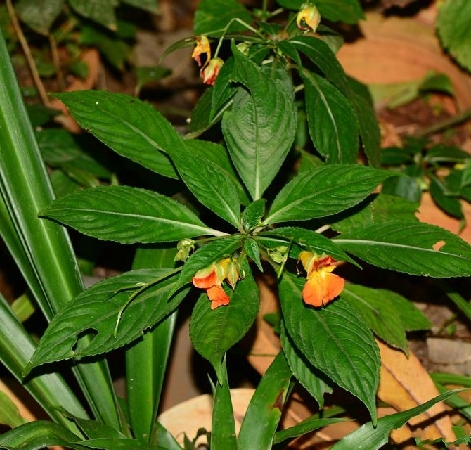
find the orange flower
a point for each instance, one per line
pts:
(322, 286)
(308, 17)
(202, 48)
(211, 279)
(210, 71)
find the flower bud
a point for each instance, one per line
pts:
(210, 72)
(308, 17)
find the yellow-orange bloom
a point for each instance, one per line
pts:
(308, 17)
(322, 286)
(211, 279)
(210, 71)
(202, 48)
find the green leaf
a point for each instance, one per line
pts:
(313, 380)
(306, 426)
(116, 444)
(347, 11)
(377, 208)
(343, 349)
(408, 188)
(217, 155)
(324, 191)
(127, 215)
(378, 309)
(100, 11)
(442, 153)
(466, 175)
(260, 128)
(252, 249)
(150, 74)
(311, 240)
(223, 433)
(212, 17)
(454, 29)
(129, 126)
(210, 184)
(9, 413)
(451, 205)
(115, 311)
(413, 248)
(213, 332)
(59, 148)
(39, 15)
(253, 214)
(37, 435)
(360, 98)
(265, 407)
(373, 436)
(324, 58)
(333, 125)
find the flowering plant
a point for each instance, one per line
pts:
(280, 169)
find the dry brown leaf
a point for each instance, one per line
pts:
(405, 384)
(91, 58)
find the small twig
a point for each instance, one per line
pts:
(447, 123)
(28, 55)
(56, 62)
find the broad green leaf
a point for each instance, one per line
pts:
(39, 15)
(210, 184)
(100, 11)
(333, 125)
(208, 254)
(115, 311)
(223, 433)
(59, 148)
(408, 188)
(214, 332)
(252, 250)
(253, 214)
(373, 436)
(396, 156)
(312, 379)
(223, 89)
(321, 55)
(127, 215)
(466, 175)
(218, 155)
(451, 205)
(149, 74)
(212, 17)
(410, 247)
(375, 209)
(442, 153)
(310, 240)
(260, 127)
(164, 438)
(335, 340)
(347, 11)
(379, 311)
(324, 191)
(37, 435)
(360, 99)
(454, 29)
(129, 126)
(266, 407)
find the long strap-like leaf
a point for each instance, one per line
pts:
(46, 258)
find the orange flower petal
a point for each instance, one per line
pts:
(206, 278)
(218, 297)
(202, 48)
(322, 287)
(210, 72)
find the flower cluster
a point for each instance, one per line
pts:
(322, 286)
(212, 278)
(210, 69)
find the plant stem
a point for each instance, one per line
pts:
(447, 123)
(29, 57)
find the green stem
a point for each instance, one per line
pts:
(447, 123)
